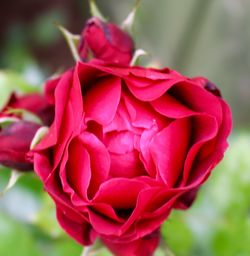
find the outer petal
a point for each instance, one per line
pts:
(197, 99)
(205, 129)
(153, 90)
(80, 230)
(49, 89)
(144, 246)
(171, 107)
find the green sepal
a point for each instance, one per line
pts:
(14, 176)
(41, 132)
(128, 23)
(95, 11)
(25, 114)
(136, 57)
(72, 41)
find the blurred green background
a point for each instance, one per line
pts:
(196, 37)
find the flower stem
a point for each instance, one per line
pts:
(86, 251)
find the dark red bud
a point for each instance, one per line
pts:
(212, 88)
(208, 85)
(15, 141)
(35, 103)
(106, 42)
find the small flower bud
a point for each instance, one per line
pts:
(34, 103)
(15, 142)
(105, 41)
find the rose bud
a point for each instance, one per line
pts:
(15, 140)
(34, 103)
(127, 145)
(106, 42)
(208, 85)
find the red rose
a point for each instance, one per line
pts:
(15, 138)
(127, 145)
(106, 42)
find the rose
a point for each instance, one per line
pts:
(128, 144)
(106, 42)
(16, 133)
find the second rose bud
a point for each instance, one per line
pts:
(105, 41)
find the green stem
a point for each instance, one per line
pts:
(86, 251)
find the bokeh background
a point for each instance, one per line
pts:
(209, 38)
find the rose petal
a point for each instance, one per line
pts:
(204, 129)
(102, 99)
(42, 164)
(203, 166)
(145, 155)
(61, 96)
(142, 114)
(80, 230)
(153, 91)
(171, 107)
(169, 148)
(107, 211)
(197, 99)
(152, 74)
(116, 193)
(127, 165)
(99, 158)
(140, 247)
(121, 121)
(78, 168)
(49, 89)
(119, 143)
